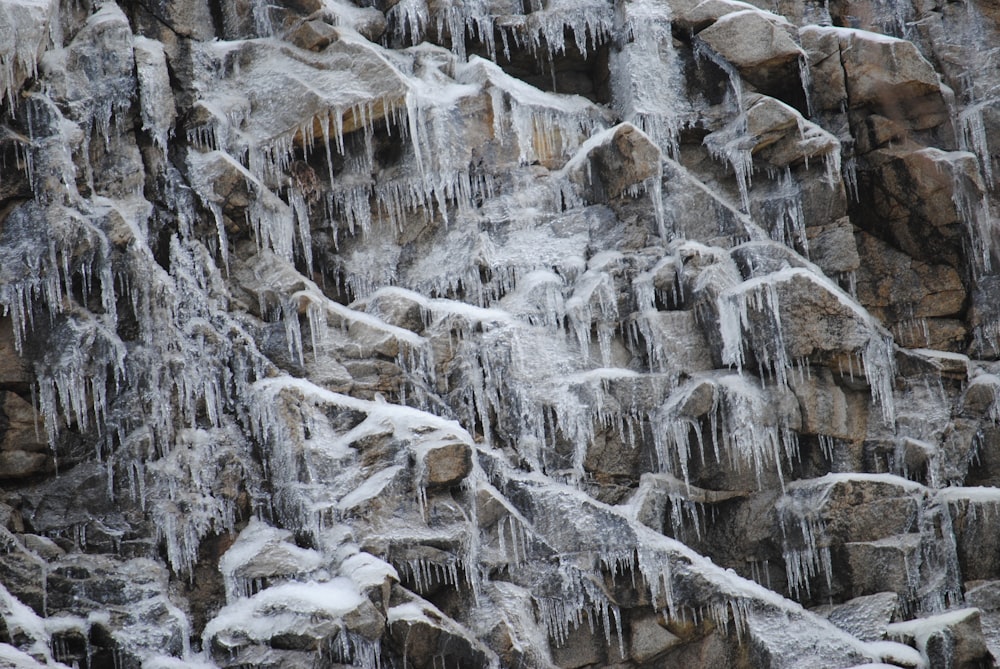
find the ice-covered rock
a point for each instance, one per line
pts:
(498, 333)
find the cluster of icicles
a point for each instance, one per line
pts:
(192, 357)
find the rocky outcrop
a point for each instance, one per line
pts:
(498, 334)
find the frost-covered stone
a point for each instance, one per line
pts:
(495, 333)
(949, 639)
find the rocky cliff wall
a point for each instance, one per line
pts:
(554, 333)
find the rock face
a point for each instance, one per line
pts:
(563, 333)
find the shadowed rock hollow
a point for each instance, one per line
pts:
(556, 333)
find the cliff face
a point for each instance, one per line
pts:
(568, 333)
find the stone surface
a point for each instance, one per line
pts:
(466, 334)
(950, 639)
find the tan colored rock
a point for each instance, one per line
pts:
(584, 647)
(881, 565)
(16, 464)
(447, 464)
(865, 617)
(648, 638)
(183, 18)
(397, 307)
(782, 136)
(697, 212)
(752, 39)
(24, 35)
(15, 371)
(676, 341)
(833, 247)
(829, 88)
(881, 74)
(23, 429)
(899, 290)
(620, 164)
(953, 639)
(827, 410)
(365, 620)
(24, 450)
(313, 35)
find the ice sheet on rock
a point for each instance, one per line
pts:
(531, 241)
(313, 464)
(525, 381)
(349, 86)
(648, 85)
(687, 504)
(545, 126)
(589, 21)
(312, 608)
(182, 495)
(746, 430)
(26, 29)
(775, 300)
(155, 97)
(594, 305)
(328, 321)
(802, 513)
(978, 500)
(973, 206)
(412, 20)
(277, 226)
(73, 381)
(973, 137)
(932, 581)
(26, 627)
(896, 654)
(77, 249)
(260, 553)
(96, 95)
(681, 583)
(372, 487)
(367, 571)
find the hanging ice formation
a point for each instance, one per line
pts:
(497, 334)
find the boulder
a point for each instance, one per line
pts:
(620, 161)
(881, 74)
(783, 137)
(953, 639)
(919, 301)
(924, 199)
(761, 46)
(833, 248)
(827, 409)
(446, 464)
(865, 617)
(883, 565)
(313, 35)
(24, 34)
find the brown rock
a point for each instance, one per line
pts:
(953, 639)
(619, 165)
(898, 289)
(313, 35)
(833, 248)
(752, 39)
(24, 464)
(822, 47)
(761, 45)
(826, 409)
(365, 620)
(447, 464)
(881, 565)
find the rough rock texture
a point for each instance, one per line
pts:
(561, 333)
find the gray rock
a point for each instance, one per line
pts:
(760, 45)
(865, 617)
(953, 639)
